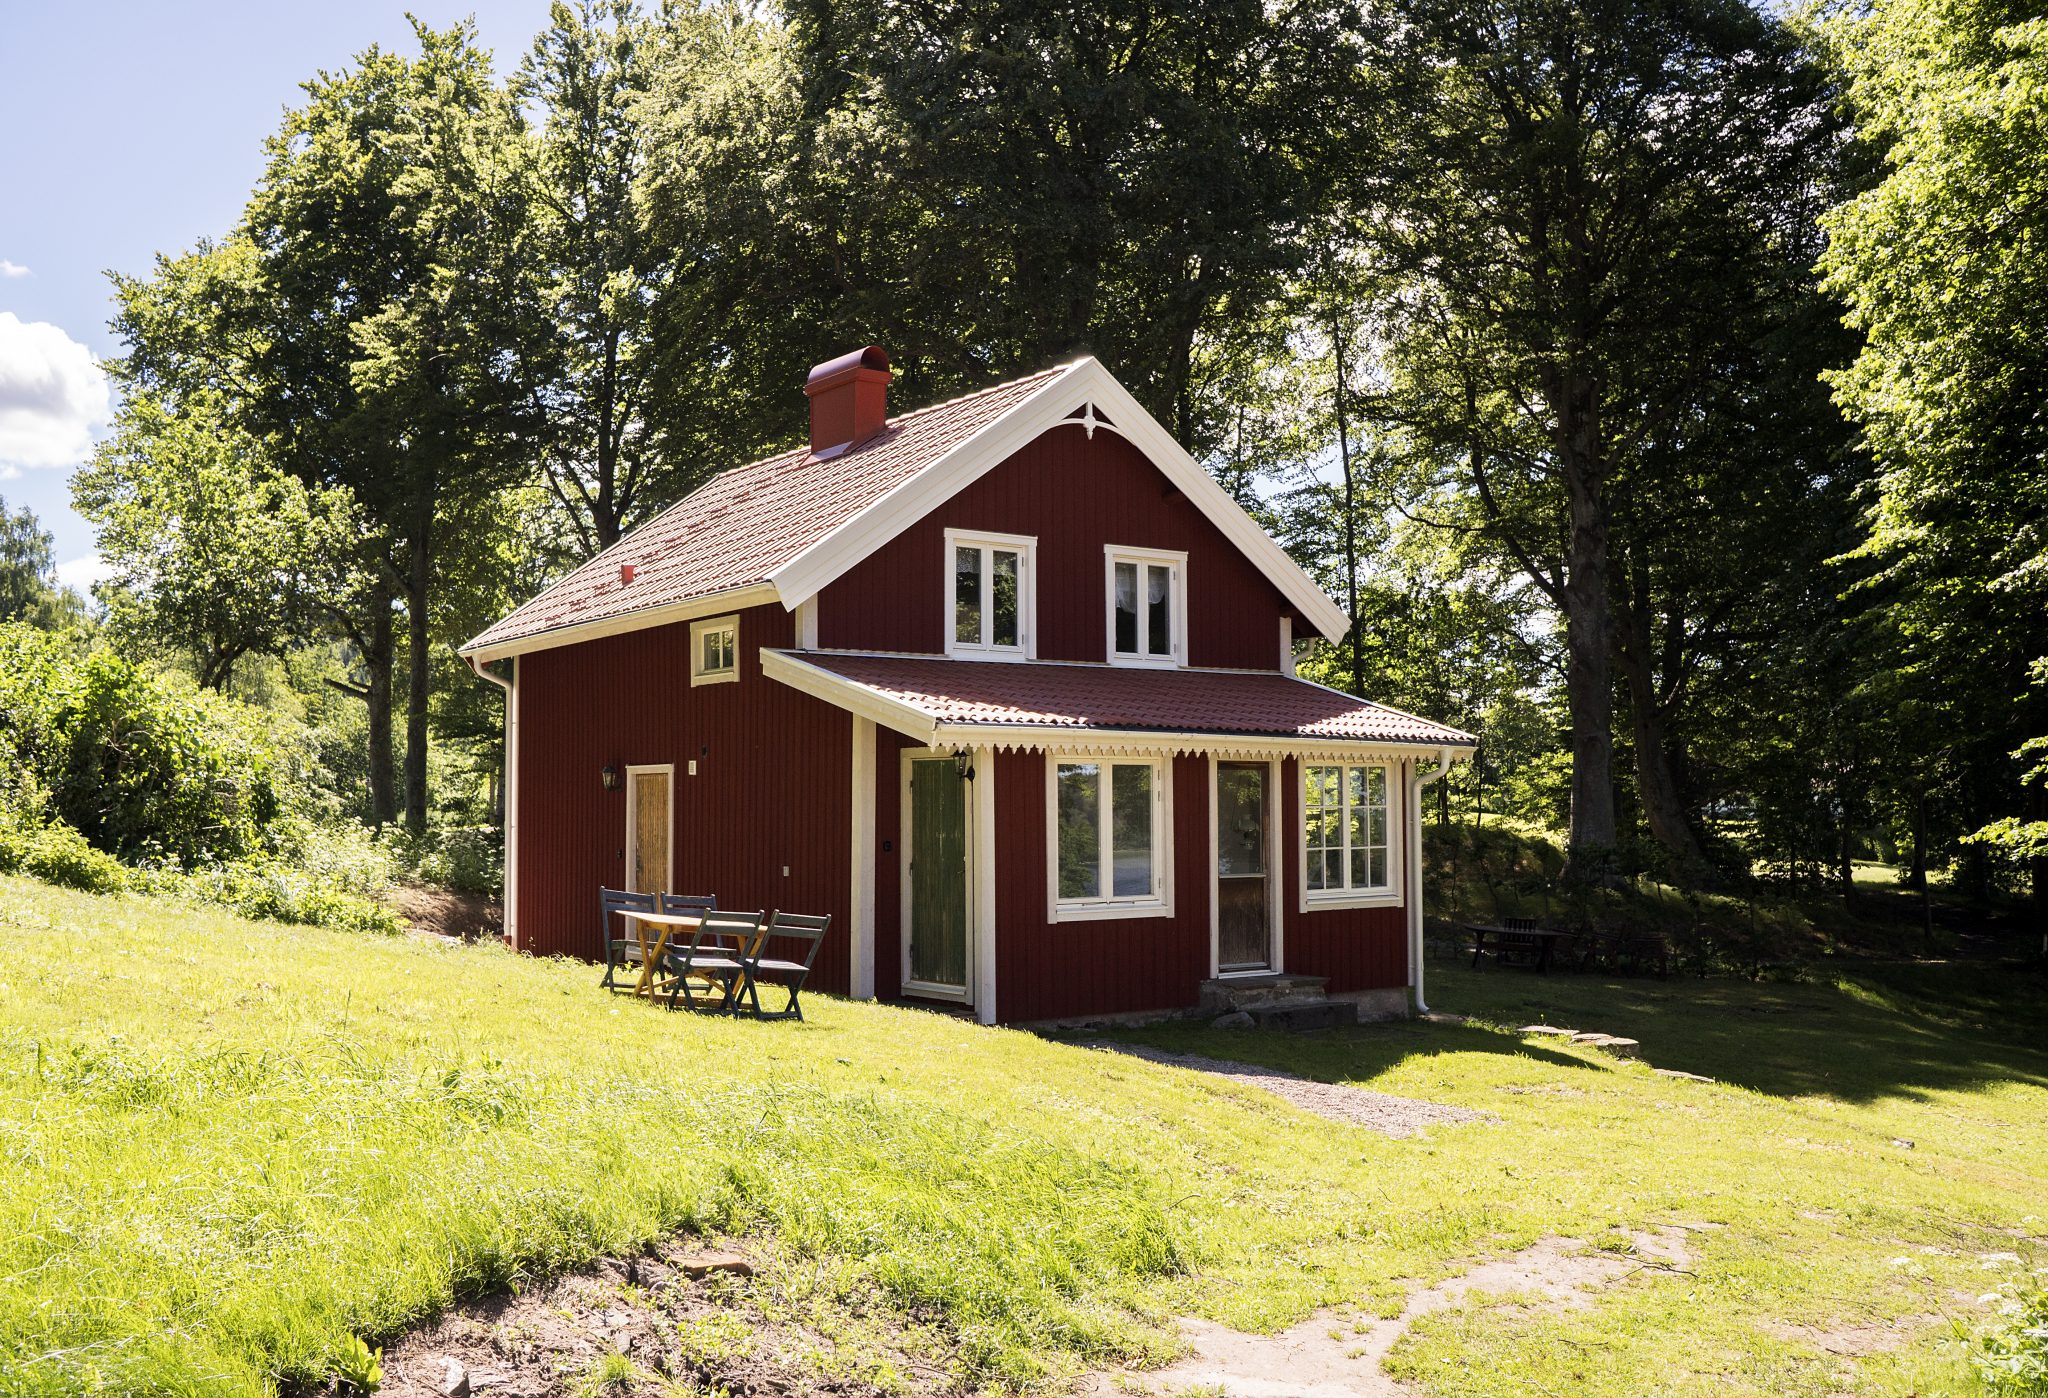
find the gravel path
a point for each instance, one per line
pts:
(1375, 1111)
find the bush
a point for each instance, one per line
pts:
(270, 888)
(462, 858)
(60, 855)
(2011, 1356)
(146, 765)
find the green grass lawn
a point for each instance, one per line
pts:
(228, 1149)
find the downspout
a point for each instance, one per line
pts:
(511, 784)
(1416, 782)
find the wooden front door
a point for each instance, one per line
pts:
(649, 824)
(938, 878)
(1244, 909)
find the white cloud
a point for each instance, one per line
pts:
(12, 269)
(82, 573)
(52, 394)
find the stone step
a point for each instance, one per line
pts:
(1226, 995)
(1319, 1014)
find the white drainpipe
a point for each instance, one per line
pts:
(1417, 781)
(511, 790)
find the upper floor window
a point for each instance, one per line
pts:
(715, 650)
(990, 595)
(1147, 607)
(1347, 832)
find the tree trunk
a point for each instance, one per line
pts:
(419, 662)
(377, 659)
(1663, 808)
(1588, 625)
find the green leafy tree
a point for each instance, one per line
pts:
(1572, 210)
(388, 229)
(29, 590)
(212, 548)
(1940, 262)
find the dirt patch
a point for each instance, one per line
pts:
(1375, 1111)
(437, 912)
(1853, 1341)
(1329, 1354)
(645, 1325)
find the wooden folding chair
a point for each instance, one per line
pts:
(714, 961)
(620, 949)
(797, 926)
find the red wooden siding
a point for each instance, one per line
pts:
(1074, 494)
(889, 746)
(1357, 948)
(771, 790)
(1060, 970)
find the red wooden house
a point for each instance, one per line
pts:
(1005, 685)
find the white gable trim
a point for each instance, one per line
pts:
(1084, 382)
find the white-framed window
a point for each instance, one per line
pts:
(991, 595)
(1146, 610)
(1348, 839)
(715, 650)
(1108, 836)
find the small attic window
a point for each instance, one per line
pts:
(715, 650)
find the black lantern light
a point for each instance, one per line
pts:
(610, 776)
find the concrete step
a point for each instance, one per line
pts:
(1230, 994)
(1320, 1014)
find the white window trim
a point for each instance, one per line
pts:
(1321, 899)
(1158, 903)
(1113, 554)
(1276, 885)
(668, 769)
(964, 994)
(698, 674)
(1025, 546)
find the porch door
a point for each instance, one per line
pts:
(938, 878)
(1243, 886)
(649, 821)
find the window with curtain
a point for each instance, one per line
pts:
(1145, 608)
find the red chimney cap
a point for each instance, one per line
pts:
(832, 371)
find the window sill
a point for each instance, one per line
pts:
(1101, 912)
(1146, 662)
(1006, 653)
(716, 677)
(1331, 902)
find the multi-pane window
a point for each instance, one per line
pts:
(1106, 829)
(990, 595)
(715, 650)
(1346, 841)
(1145, 606)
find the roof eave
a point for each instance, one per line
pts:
(667, 613)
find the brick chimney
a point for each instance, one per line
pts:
(849, 400)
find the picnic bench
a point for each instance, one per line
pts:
(1517, 942)
(707, 959)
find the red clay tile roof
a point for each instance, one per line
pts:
(1123, 699)
(744, 523)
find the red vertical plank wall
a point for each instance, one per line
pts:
(1062, 970)
(1357, 948)
(765, 822)
(1075, 495)
(889, 749)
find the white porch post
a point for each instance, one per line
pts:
(860, 903)
(984, 885)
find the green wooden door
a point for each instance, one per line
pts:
(938, 873)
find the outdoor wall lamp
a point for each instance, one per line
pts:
(963, 763)
(609, 775)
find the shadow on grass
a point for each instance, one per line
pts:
(1345, 1055)
(1857, 1032)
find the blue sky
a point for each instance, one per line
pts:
(129, 129)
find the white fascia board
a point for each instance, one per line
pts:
(1144, 432)
(731, 600)
(1083, 381)
(1146, 740)
(859, 699)
(805, 575)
